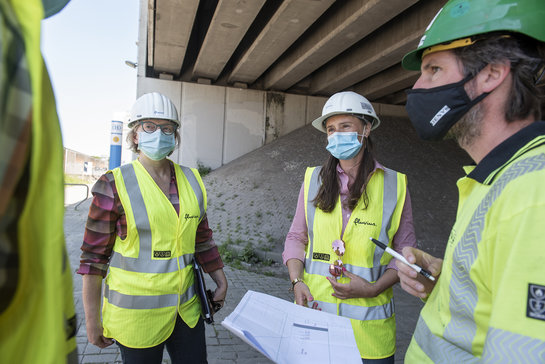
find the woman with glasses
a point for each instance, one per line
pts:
(146, 223)
(332, 263)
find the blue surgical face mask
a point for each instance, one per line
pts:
(344, 145)
(156, 145)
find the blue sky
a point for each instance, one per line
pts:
(85, 47)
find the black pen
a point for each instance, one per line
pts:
(400, 257)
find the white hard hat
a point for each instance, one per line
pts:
(346, 102)
(153, 106)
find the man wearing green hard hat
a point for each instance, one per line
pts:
(482, 68)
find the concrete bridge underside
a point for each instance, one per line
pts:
(246, 72)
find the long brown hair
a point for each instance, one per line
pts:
(329, 191)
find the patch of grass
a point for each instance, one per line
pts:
(244, 259)
(258, 214)
(226, 252)
(248, 254)
(203, 170)
(68, 178)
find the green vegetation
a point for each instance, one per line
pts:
(248, 254)
(230, 255)
(68, 178)
(203, 170)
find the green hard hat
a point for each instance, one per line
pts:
(460, 19)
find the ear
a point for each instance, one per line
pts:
(135, 137)
(492, 76)
(366, 129)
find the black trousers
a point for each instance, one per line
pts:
(388, 360)
(185, 345)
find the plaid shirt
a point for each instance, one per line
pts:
(15, 122)
(107, 221)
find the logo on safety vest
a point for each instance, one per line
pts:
(187, 216)
(536, 302)
(320, 256)
(357, 221)
(161, 254)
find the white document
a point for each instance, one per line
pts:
(288, 333)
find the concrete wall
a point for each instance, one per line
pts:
(221, 124)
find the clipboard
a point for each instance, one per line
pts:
(205, 296)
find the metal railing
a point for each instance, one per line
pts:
(79, 184)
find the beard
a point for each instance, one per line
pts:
(469, 127)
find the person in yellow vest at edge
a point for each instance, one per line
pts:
(37, 316)
(146, 222)
(333, 266)
(482, 65)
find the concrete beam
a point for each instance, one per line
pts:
(287, 24)
(397, 111)
(173, 23)
(397, 98)
(231, 20)
(349, 23)
(377, 52)
(386, 82)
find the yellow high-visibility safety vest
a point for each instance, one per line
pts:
(151, 277)
(39, 324)
(373, 319)
(489, 302)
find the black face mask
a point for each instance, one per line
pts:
(433, 111)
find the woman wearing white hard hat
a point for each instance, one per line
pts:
(332, 263)
(146, 223)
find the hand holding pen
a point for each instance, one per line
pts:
(416, 264)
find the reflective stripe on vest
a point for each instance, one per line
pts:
(146, 302)
(388, 206)
(456, 346)
(144, 262)
(190, 176)
(358, 312)
(508, 347)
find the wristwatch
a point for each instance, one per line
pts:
(295, 281)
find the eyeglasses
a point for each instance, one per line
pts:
(150, 127)
(337, 268)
